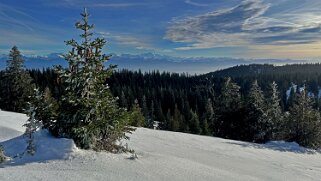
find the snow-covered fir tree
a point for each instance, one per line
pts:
(88, 111)
(303, 124)
(274, 113)
(34, 121)
(228, 110)
(256, 118)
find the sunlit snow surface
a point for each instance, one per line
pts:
(162, 155)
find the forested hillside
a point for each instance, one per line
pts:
(240, 107)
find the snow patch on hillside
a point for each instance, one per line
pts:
(48, 148)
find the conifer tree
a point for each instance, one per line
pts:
(175, 120)
(205, 128)
(88, 111)
(209, 117)
(229, 111)
(273, 113)
(168, 120)
(145, 111)
(17, 85)
(122, 100)
(256, 119)
(34, 122)
(47, 108)
(303, 125)
(151, 120)
(159, 115)
(138, 118)
(195, 124)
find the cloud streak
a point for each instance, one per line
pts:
(139, 43)
(116, 5)
(93, 3)
(191, 2)
(244, 25)
(11, 18)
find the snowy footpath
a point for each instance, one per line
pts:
(162, 155)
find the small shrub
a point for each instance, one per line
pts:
(2, 156)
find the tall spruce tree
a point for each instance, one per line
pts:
(195, 123)
(303, 125)
(274, 113)
(209, 118)
(176, 119)
(17, 85)
(138, 118)
(145, 111)
(229, 111)
(256, 118)
(88, 111)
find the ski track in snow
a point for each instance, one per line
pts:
(162, 155)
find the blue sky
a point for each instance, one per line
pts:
(199, 28)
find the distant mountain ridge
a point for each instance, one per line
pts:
(266, 69)
(151, 61)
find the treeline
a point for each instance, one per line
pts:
(267, 69)
(250, 108)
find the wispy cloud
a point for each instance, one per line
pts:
(11, 17)
(191, 2)
(216, 28)
(139, 43)
(243, 25)
(116, 5)
(126, 40)
(93, 3)
(20, 28)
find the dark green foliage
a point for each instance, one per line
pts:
(48, 109)
(256, 119)
(209, 119)
(303, 124)
(88, 111)
(175, 120)
(165, 96)
(104, 125)
(205, 127)
(145, 112)
(138, 118)
(16, 84)
(84, 108)
(195, 123)
(229, 111)
(274, 114)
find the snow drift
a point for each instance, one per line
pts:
(162, 155)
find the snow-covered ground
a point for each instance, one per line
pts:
(162, 155)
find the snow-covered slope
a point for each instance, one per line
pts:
(162, 155)
(11, 125)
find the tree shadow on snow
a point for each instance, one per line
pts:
(48, 148)
(281, 146)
